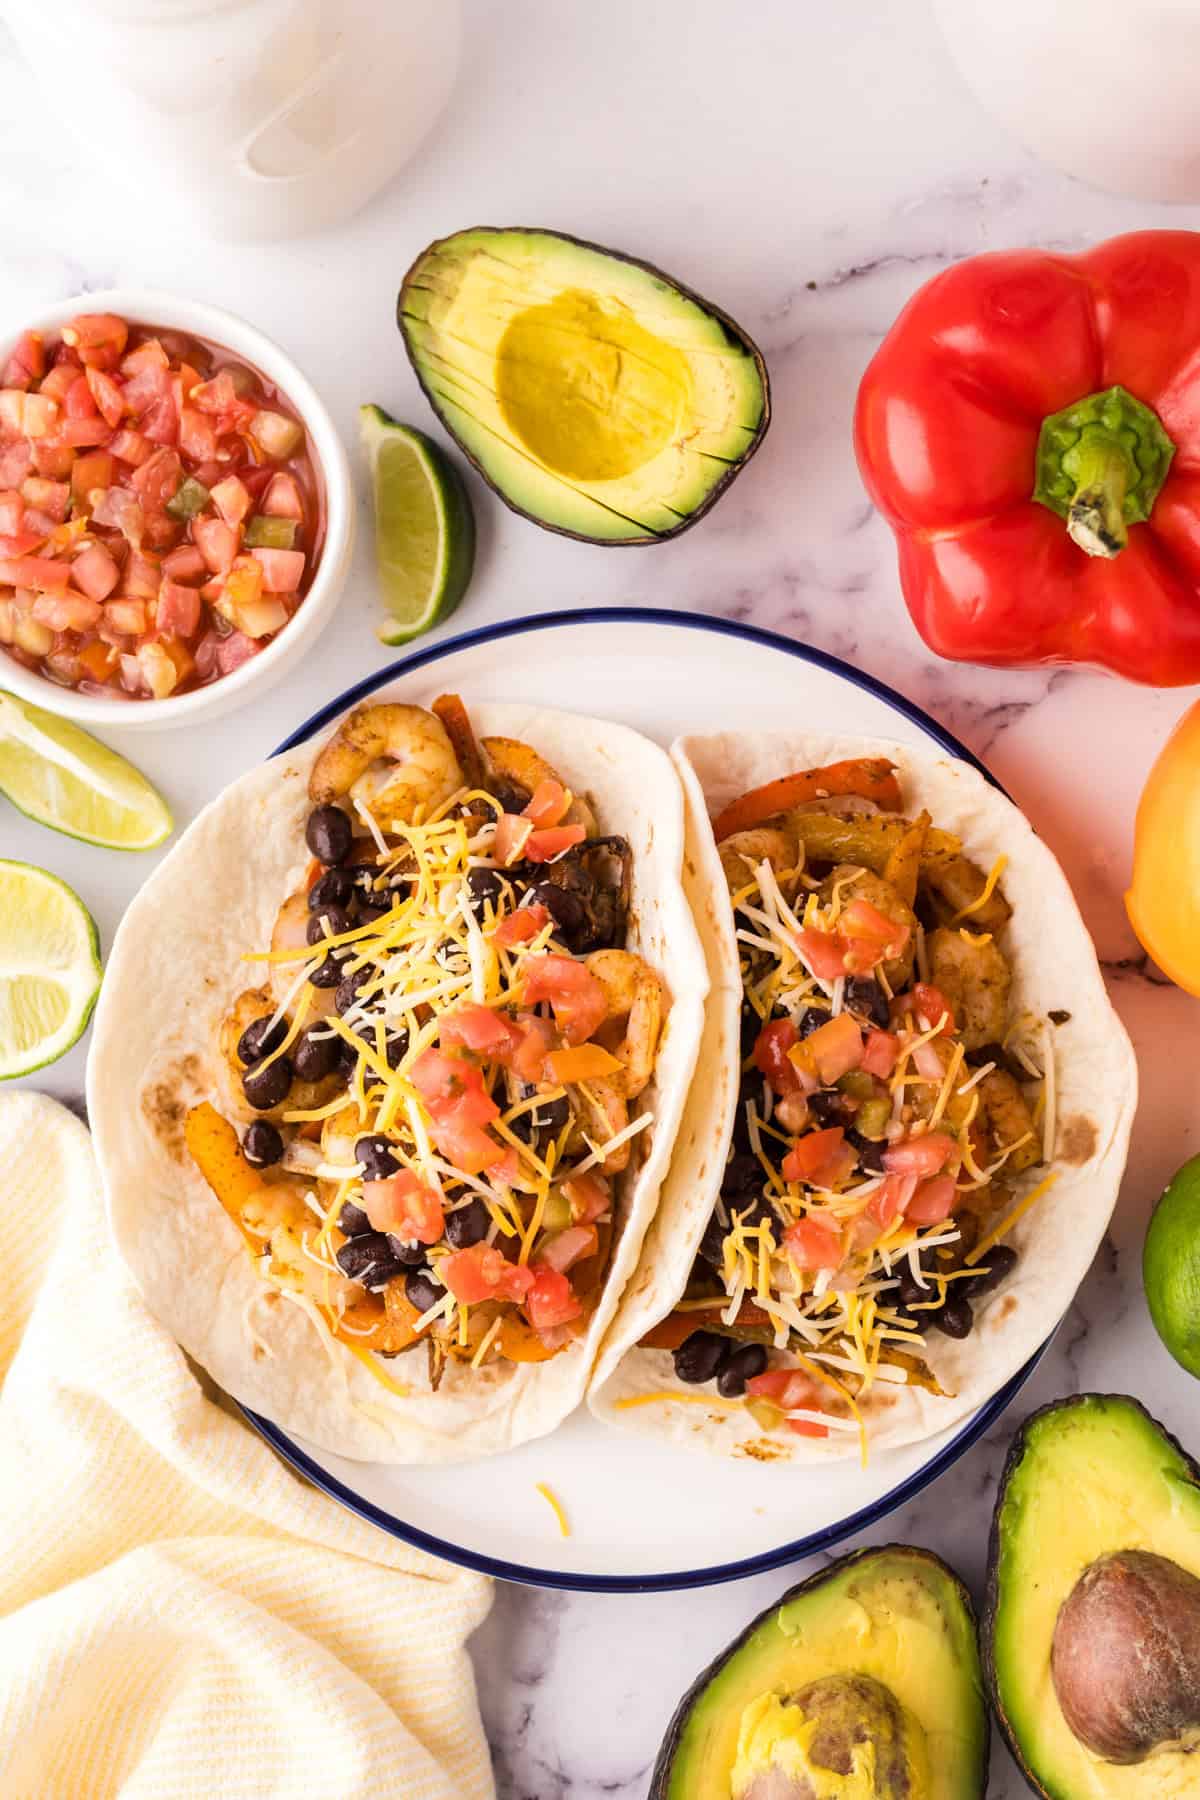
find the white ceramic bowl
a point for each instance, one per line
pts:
(228, 332)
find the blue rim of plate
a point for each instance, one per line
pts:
(797, 1548)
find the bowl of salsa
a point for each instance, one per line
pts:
(176, 512)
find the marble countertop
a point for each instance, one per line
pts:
(807, 167)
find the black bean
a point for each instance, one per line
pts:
(328, 972)
(368, 1258)
(467, 1225)
(746, 1362)
(334, 888)
(262, 1145)
(566, 909)
(545, 1120)
(314, 1054)
(329, 834)
(260, 1038)
(329, 921)
(352, 1220)
(811, 1019)
(754, 1210)
(363, 879)
(865, 996)
(997, 1265)
(349, 987)
(421, 1290)
(376, 1155)
(909, 1289)
(512, 798)
(347, 1058)
(411, 1255)
(712, 1244)
(743, 1175)
(955, 1318)
(266, 1085)
(827, 1106)
(751, 1025)
(701, 1356)
(870, 1151)
(484, 886)
(395, 1044)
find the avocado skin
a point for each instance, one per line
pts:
(733, 330)
(664, 1763)
(1012, 1462)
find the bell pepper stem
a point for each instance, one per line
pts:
(1100, 464)
(1096, 515)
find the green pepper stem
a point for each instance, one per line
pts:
(1096, 515)
(1100, 464)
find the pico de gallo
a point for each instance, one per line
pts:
(161, 508)
(437, 1085)
(890, 1099)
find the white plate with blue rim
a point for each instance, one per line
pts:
(663, 673)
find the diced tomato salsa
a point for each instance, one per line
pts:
(161, 508)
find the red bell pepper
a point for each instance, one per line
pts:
(1030, 428)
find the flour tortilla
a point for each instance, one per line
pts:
(174, 971)
(1054, 967)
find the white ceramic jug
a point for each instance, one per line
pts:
(1103, 89)
(245, 118)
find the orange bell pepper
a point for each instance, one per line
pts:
(1163, 901)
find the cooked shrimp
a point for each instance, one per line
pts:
(512, 764)
(1011, 1121)
(250, 1005)
(634, 997)
(742, 853)
(606, 1112)
(392, 759)
(259, 1003)
(975, 977)
(339, 1134)
(290, 932)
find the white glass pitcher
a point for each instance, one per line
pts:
(1104, 89)
(246, 118)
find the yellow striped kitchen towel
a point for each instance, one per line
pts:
(180, 1616)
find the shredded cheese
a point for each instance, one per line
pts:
(555, 1505)
(675, 1397)
(985, 894)
(1006, 1224)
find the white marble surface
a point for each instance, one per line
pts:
(807, 166)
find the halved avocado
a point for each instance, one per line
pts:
(863, 1683)
(1092, 1626)
(596, 395)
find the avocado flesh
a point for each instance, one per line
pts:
(594, 394)
(752, 1728)
(1087, 1478)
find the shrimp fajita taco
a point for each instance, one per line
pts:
(923, 1100)
(388, 1065)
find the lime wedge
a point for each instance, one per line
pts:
(49, 968)
(424, 527)
(64, 778)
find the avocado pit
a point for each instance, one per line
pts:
(844, 1734)
(1126, 1657)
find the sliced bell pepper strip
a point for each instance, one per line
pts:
(871, 777)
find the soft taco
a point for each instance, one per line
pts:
(388, 1065)
(919, 1095)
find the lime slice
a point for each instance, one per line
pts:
(49, 968)
(424, 527)
(1171, 1266)
(64, 778)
